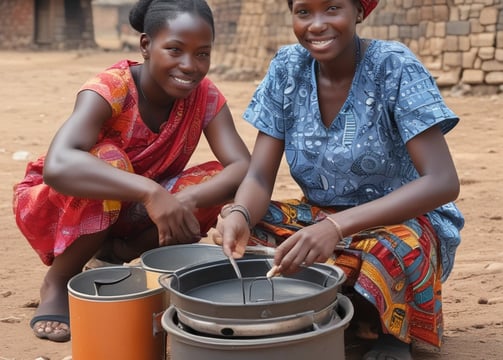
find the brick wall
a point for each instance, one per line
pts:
(248, 33)
(460, 41)
(16, 25)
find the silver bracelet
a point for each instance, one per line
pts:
(237, 208)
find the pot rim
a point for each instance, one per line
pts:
(252, 310)
(145, 258)
(79, 285)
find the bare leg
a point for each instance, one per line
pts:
(118, 250)
(125, 250)
(53, 293)
(365, 324)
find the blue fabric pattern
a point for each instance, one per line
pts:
(361, 156)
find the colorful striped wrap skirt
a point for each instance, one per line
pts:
(396, 268)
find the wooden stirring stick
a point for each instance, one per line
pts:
(275, 271)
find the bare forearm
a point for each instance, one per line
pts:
(254, 196)
(411, 200)
(78, 173)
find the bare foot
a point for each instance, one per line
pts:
(388, 347)
(52, 327)
(366, 331)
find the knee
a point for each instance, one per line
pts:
(113, 155)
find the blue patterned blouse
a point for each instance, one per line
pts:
(362, 155)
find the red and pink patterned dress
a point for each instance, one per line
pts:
(52, 221)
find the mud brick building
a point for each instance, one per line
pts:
(46, 24)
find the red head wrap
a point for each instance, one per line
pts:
(368, 6)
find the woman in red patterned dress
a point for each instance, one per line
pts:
(114, 181)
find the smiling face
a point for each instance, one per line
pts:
(326, 28)
(178, 56)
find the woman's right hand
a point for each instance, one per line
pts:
(232, 233)
(176, 223)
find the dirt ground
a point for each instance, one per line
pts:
(36, 96)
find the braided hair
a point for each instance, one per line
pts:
(150, 16)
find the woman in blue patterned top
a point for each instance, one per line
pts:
(361, 123)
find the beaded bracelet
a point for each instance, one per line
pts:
(226, 210)
(337, 227)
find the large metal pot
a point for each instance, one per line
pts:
(212, 290)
